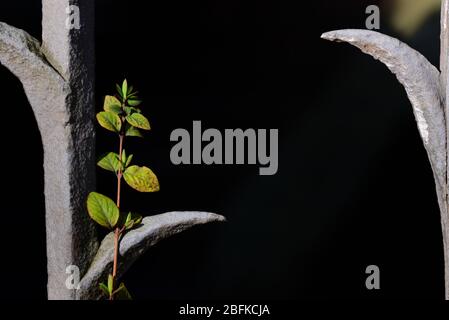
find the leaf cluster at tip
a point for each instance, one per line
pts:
(122, 116)
(121, 113)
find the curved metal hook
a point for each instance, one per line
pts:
(421, 81)
(135, 243)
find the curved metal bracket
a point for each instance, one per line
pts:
(135, 243)
(426, 90)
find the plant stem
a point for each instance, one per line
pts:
(120, 173)
(117, 231)
(116, 238)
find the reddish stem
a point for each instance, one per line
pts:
(117, 229)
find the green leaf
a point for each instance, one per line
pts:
(128, 110)
(112, 104)
(102, 210)
(125, 89)
(133, 96)
(132, 220)
(115, 109)
(139, 121)
(141, 179)
(124, 156)
(110, 283)
(119, 91)
(128, 160)
(104, 289)
(110, 162)
(132, 131)
(131, 110)
(134, 103)
(109, 121)
(122, 293)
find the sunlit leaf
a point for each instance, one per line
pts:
(125, 88)
(139, 121)
(131, 110)
(134, 103)
(122, 293)
(132, 220)
(110, 283)
(141, 179)
(109, 121)
(112, 104)
(104, 289)
(110, 162)
(132, 131)
(128, 110)
(102, 210)
(128, 160)
(133, 96)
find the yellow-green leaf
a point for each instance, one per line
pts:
(110, 162)
(134, 103)
(119, 90)
(133, 96)
(112, 104)
(139, 121)
(104, 289)
(128, 160)
(110, 283)
(125, 88)
(109, 121)
(131, 110)
(128, 110)
(132, 131)
(102, 210)
(122, 293)
(132, 220)
(141, 179)
(124, 156)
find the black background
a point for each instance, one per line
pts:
(354, 186)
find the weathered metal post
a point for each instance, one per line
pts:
(57, 77)
(58, 80)
(428, 91)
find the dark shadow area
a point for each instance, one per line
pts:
(354, 186)
(23, 14)
(24, 263)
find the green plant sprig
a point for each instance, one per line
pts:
(121, 116)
